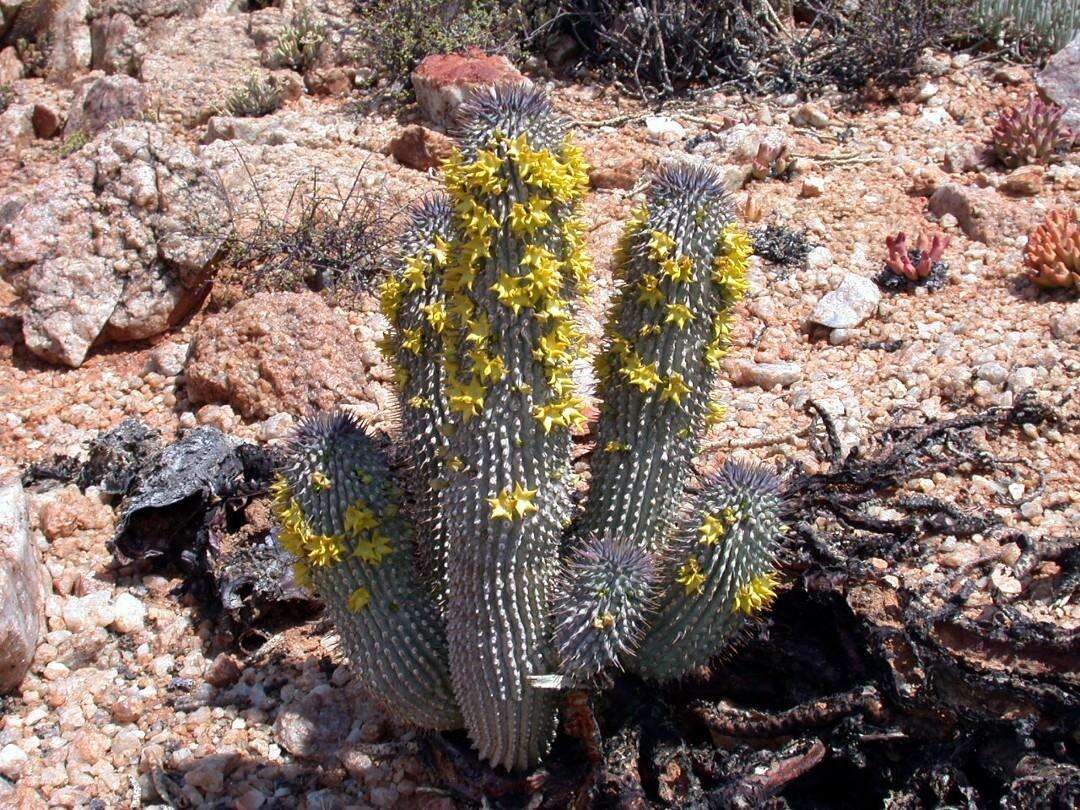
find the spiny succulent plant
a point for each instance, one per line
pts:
(682, 267)
(510, 600)
(414, 303)
(340, 514)
(1053, 251)
(1033, 133)
(724, 572)
(604, 604)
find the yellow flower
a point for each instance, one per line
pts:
(525, 220)
(680, 269)
(372, 549)
(320, 480)
(419, 402)
(690, 577)
(489, 369)
(649, 292)
(478, 330)
(414, 276)
(616, 447)
(410, 339)
(359, 599)
(755, 595)
(716, 413)
(642, 376)
(359, 518)
(562, 413)
(511, 292)
(439, 251)
(390, 298)
(679, 314)
(674, 389)
(466, 398)
(435, 312)
(660, 245)
(512, 503)
(712, 530)
(324, 549)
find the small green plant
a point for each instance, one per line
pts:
(74, 142)
(483, 341)
(34, 54)
(299, 44)
(1035, 26)
(258, 96)
(400, 33)
(7, 95)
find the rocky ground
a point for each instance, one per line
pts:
(132, 695)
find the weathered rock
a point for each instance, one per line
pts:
(22, 585)
(17, 127)
(810, 115)
(117, 243)
(1025, 181)
(10, 66)
(315, 726)
(925, 180)
(70, 302)
(664, 128)
(851, 303)
(1066, 325)
(283, 127)
(71, 50)
(442, 80)
(117, 45)
(420, 148)
(767, 375)
(1059, 81)
(977, 210)
(616, 173)
(45, 120)
(101, 101)
(812, 187)
(333, 81)
(276, 352)
(192, 96)
(962, 157)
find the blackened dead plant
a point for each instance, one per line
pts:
(855, 692)
(662, 49)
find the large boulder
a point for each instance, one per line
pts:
(277, 352)
(442, 80)
(103, 100)
(22, 585)
(192, 96)
(118, 243)
(1059, 81)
